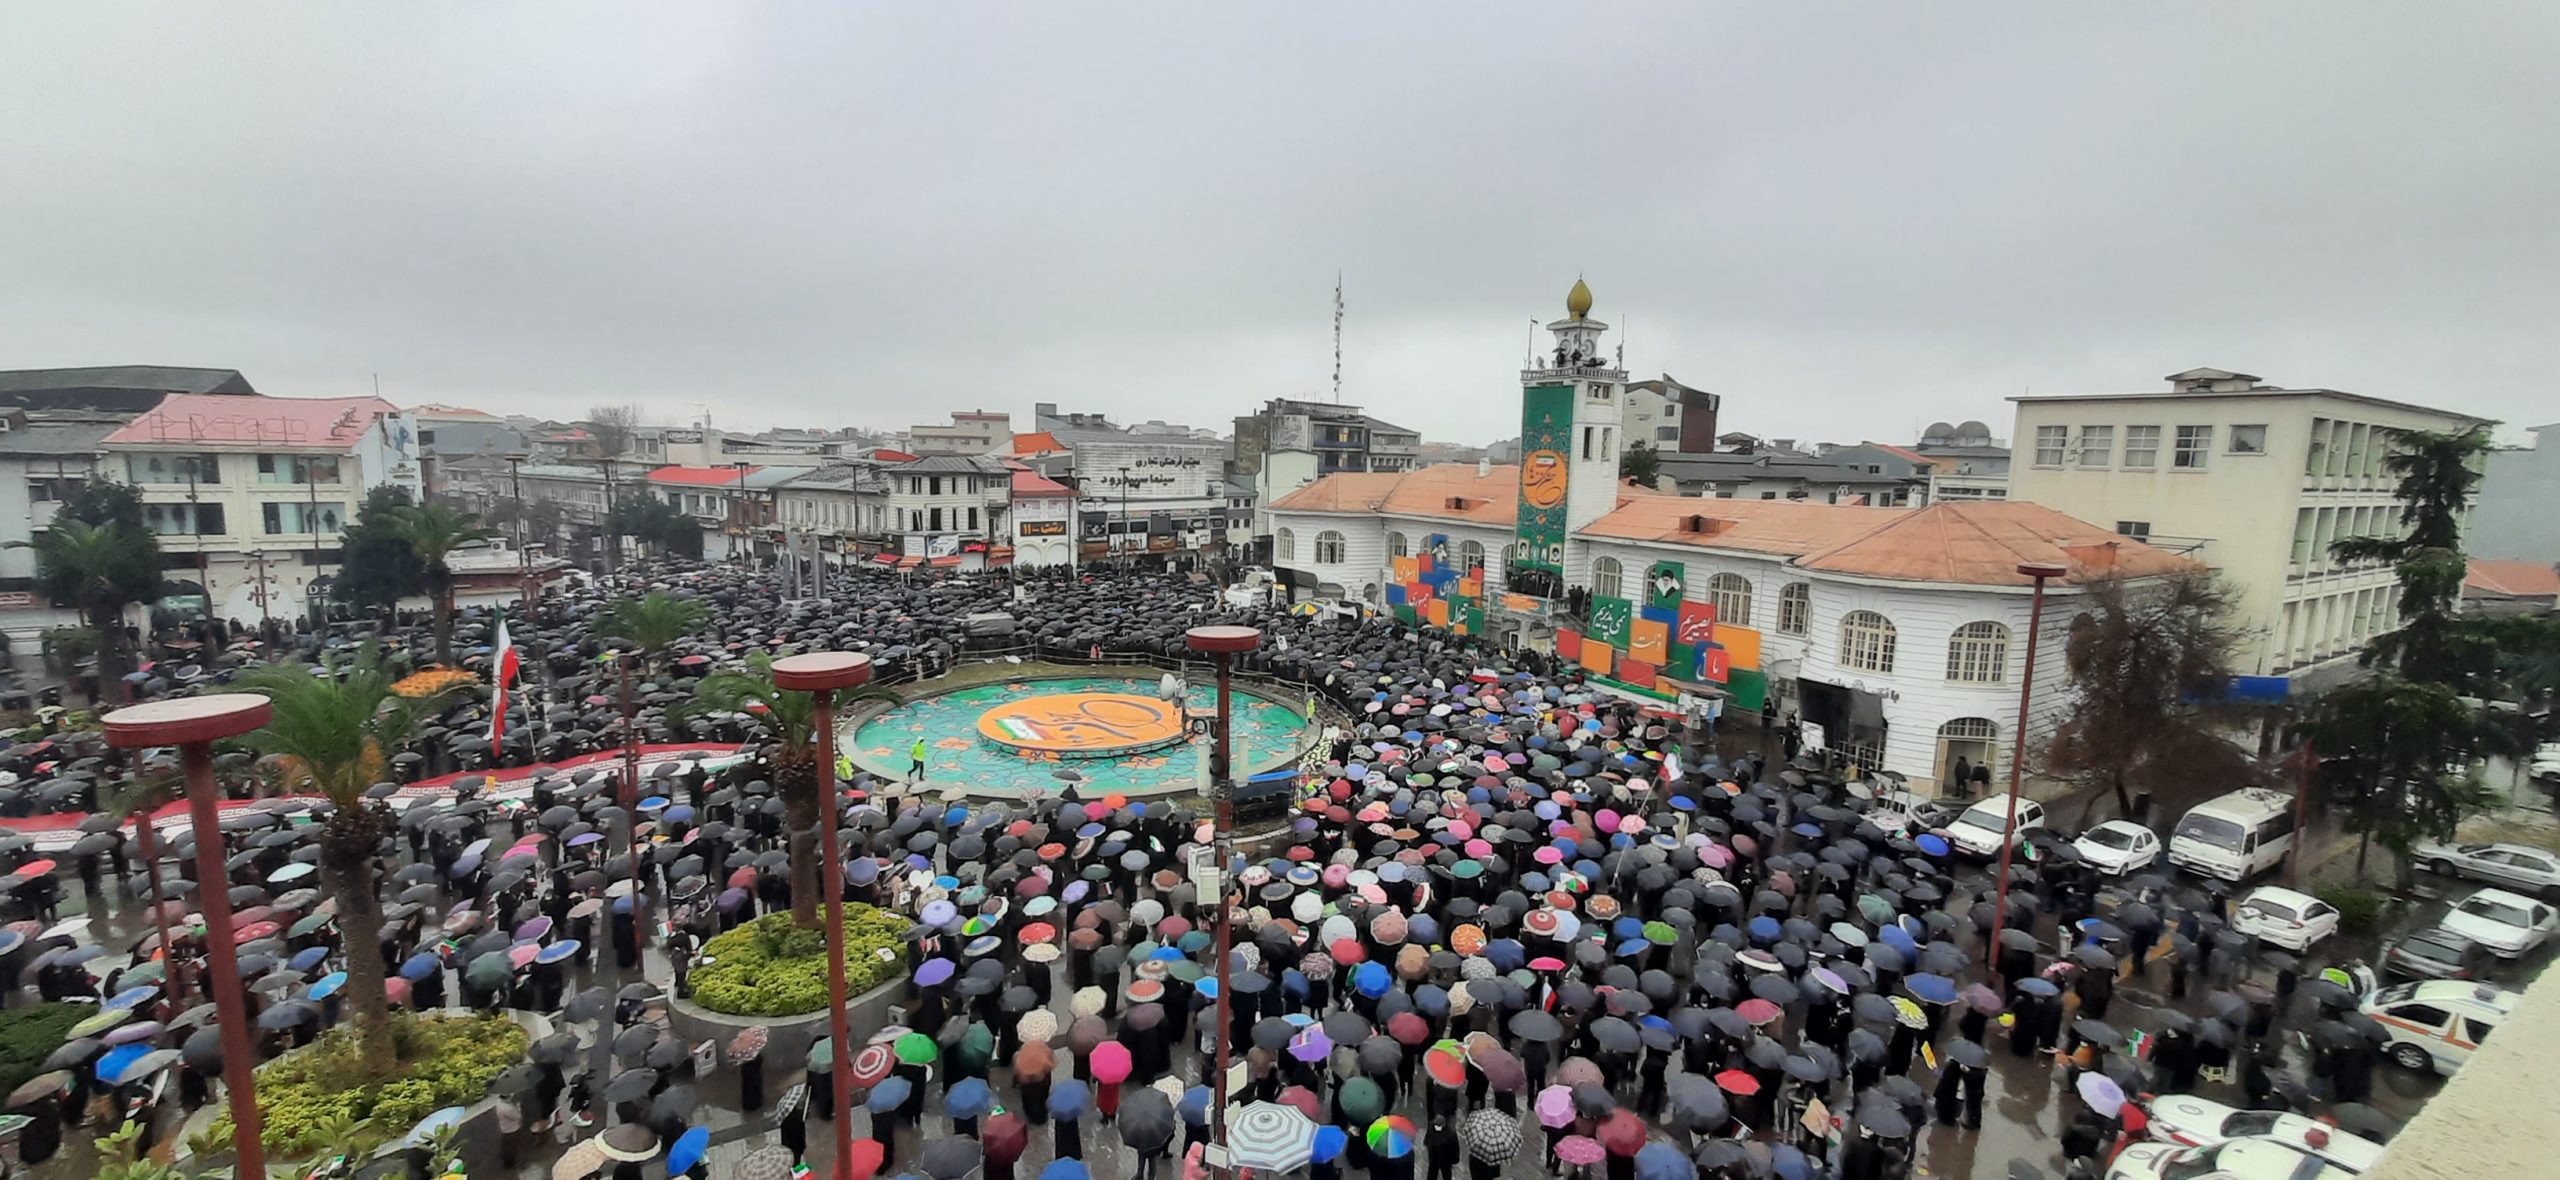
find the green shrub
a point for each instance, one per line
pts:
(308, 1098)
(29, 1035)
(770, 967)
(2360, 909)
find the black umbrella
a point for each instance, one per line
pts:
(631, 1085)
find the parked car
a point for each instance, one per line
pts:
(2119, 846)
(2189, 1121)
(2509, 924)
(2437, 1024)
(2516, 866)
(2284, 917)
(1899, 812)
(2237, 1159)
(2435, 953)
(1979, 831)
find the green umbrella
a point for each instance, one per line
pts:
(492, 970)
(1185, 970)
(101, 1022)
(1467, 870)
(1361, 1100)
(915, 1049)
(1660, 933)
(822, 1054)
(1874, 908)
(309, 923)
(148, 972)
(976, 1051)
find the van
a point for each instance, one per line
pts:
(2437, 1024)
(2234, 837)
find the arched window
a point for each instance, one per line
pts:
(1731, 594)
(1286, 545)
(1607, 577)
(1328, 548)
(1979, 654)
(1396, 546)
(1795, 608)
(1470, 556)
(1866, 641)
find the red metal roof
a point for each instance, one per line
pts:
(2522, 579)
(1036, 443)
(1032, 483)
(218, 420)
(886, 455)
(701, 477)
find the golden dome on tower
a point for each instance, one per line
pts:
(1577, 302)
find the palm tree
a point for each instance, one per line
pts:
(99, 569)
(336, 731)
(434, 531)
(655, 620)
(792, 719)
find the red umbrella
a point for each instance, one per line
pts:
(1445, 1067)
(1756, 1011)
(867, 1153)
(1580, 1150)
(871, 1063)
(1734, 1081)
(1303, 1099)
(1622, 1132)
(1408, 1028)
(1038, 932)
(1004, 1137)
(743, 879)
(255, 931)
(1347, 951)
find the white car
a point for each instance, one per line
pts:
(2509, 924)
(2522, 868)
(2438, 1024)
(1900, 812)
(1977, 832)
(2189, 1121)
(2119, 846)
(2283, 917)
(2238, 1159)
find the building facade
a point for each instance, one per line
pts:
(973, 432)
(1044, 521)
(943, 507)
(254, 492)
(1969, 464)
(2519, 488)
(2255, 481)
(1288, 444)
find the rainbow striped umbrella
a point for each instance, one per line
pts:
(1392, 1136)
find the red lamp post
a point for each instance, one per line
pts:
(193, 724)
(820, 674)
(1224, 643)
(2038, 570)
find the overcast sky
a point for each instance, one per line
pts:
(1849, 220)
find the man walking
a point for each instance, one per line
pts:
(915, 769)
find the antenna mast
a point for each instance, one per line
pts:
(1337, 337)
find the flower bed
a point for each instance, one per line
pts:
(444, 1061)
(433, 682)
(770, 967)
(29, 1035)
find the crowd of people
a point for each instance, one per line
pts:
(1514, 924)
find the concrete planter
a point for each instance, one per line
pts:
(789, 1036)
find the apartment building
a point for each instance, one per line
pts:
(2252, 479)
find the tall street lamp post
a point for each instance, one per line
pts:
(820, 674)
(193, 724)
(2040, 571)
(1224, 643)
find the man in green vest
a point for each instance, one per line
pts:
(915, 772)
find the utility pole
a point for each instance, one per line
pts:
(524, 556)
(631, 810)
(1224, 643)
(612, 527)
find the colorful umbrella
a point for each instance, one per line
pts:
(1272, 1137)
(1392, 1136)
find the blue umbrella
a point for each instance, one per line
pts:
(1899, 939)
(688, 1150)
(1330, 1140)
(557, 952)
(1195, 1106)
(328, 985)
(2039, 986)
(1932, 989)
(307, 958)
(1065, 1169)
(889, 1095)
(1764, 929)
(419, 966)
(129, 997)
(1371, 979)
(679, 814)
(1931, 843)
(1789, 1163)
(1068, 1099)
(967, 1099)
(112, 1063)
(1662, 1161)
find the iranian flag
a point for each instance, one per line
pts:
(503, 665)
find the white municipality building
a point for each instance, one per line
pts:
(1898, 633)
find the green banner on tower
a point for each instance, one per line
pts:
(1546, 448)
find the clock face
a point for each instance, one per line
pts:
(1542, 479)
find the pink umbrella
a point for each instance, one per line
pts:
(1580, 1150)
(1110, 1062)
(1555, 1106)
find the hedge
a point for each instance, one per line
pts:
(29, 1035)
(444, 1061)
(770, 967)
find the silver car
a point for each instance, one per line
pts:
(2523, 868)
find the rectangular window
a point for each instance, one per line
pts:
(161, 468)
(2050, 443)
(2357, 444)
(2341, 439)
(2139, 530)
(47, 489)
(2194, 443)
(2302, 537)
(2141, 446)
(2097, 445)
(973, 518)
(2317, 454)
(2324, 529)
(936, 517)
(1666, 434)
(294, 517)
(2249, 440)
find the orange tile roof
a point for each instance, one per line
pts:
(1351, 491)
(1027, 482)
(1905, 454)
(2522, 579)
(1786, 527)
(1982, 543)
(1492, 498)
(202, 419)
(1036, 443)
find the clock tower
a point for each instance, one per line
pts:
(1571, 414)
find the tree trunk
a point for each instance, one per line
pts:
(2364, 844)
(347, 847)
(108, 621)
(800, 814)
(440, 584)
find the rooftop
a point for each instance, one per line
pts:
(231, 420)
(148, 378)
(952, 465)
(704, 477)
(76, 435)
(1038, 442)
(2513, 579)
(1032, 483)
(2223, 383)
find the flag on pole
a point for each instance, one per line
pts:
(502, 672)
